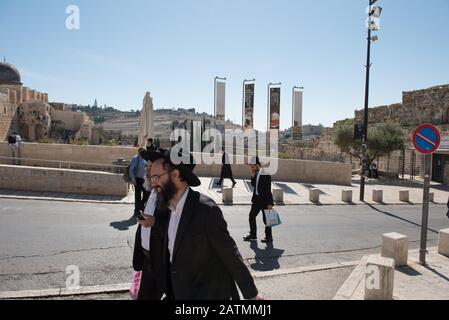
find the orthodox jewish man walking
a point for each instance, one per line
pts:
(202, 260)
(261, 200)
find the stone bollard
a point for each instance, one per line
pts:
(227, 196)
(278, 195)
(443, 242)
(346, 195)
(404, 195)
(395, 246)
(314, 195)
(379, 278)
(431, 197)
(377, 195)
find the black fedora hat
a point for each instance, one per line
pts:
(185, 165)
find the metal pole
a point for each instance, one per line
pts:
(425, 211)
(365, 117)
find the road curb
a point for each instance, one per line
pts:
(219, 203)
(124, 287)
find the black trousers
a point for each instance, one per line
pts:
(255, 209)
(150, 287)
(140, 196)
(226, 173)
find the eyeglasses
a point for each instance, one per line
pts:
(158, 177)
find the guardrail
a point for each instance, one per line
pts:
(113, 168)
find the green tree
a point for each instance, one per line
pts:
(383, 139)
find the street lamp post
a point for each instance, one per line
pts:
(373, 14)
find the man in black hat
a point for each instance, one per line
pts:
(202, 260)
(262, 200)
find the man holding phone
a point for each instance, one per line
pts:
(148, 247)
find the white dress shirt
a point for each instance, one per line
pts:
(145, 233)
(175, 217)
(257, 181)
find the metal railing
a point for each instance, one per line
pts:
(61, 164)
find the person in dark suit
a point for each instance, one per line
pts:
(261, 200)
(151, 146)
(202, 260)
(149, 248)
(226, 171)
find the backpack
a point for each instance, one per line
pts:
(12, 139)
(126, 176)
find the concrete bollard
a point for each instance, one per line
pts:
(346, 195)
(314, 195)
(431, 197)
(404, 195)
(227, 196)
(379, 278)
(278, 195)
(443, 242)
(395, 246)
(378, 195)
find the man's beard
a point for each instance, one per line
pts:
(166, 193)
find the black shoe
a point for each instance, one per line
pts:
(249, 238)
(233, 185)
(265, 240)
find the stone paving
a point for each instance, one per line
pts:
(411, 282)
(294, 192)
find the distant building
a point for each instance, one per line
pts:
(28, 112)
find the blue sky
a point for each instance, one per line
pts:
(174, 49)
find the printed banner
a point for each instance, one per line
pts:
(249, 106)
(220, 90)
(297, 115)
(275, 97)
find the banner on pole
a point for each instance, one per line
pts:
(297, 115)
(249, 106)
(275, 96)
(220, 92)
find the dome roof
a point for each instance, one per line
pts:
(9, 74)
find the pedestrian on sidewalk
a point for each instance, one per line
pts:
(149, 247)
(226, 171)
(14, 141)
(447, 214)
(261, 200)
(202, 260)
(137, 175)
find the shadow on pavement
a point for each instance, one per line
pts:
(265, 259)
(397, 217)
(124, 224)
(408, 271)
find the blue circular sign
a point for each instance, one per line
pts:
(426, 138)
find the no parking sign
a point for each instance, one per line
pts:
(426, 138)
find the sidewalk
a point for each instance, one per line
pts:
(295, 193)
(411, 282)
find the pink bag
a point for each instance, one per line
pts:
(134, 290)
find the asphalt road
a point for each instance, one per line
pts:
(39, 239)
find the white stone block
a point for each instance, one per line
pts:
(395, 246)
(378, 195)
(278, 195)
(404, 195)
(379, 278)
(443, 242)
(431, 197)
(346, 195)
(227, 195)
(314, 195)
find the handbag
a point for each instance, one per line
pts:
(272, 218)
(135, 285)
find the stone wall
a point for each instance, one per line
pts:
(61, 180)
(428, 105)
(288, 170)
